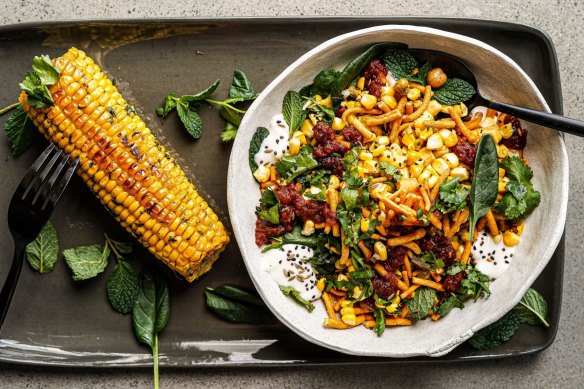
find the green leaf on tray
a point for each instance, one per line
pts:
(20, 131)
(122, 287)
(532, 309)
(191, 119)
(295, 295)
(292, 110)
(419, 306)
(454, 91)
(229, 132)
(237, 293)
(241, 87)
(236, 305)
(497, 333)
(87, 261)
(42, 253)
(205, 94)
(421, 75)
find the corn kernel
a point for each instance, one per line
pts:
(368, 101)
(338, 124)
(440, 165)
(328, 102)
(381, 251)
(262, 174)
(434, 107)
(334, 182)
(403, 172)
(506, 130)
(364, 225)
(351, 268)
(413, 156)
(498, 238)
(320, 284)
(361, 83)
(318, 98)
(390, 101)
(413, 94)
(501, 172)
(416, 170)
(387, 91)
(294, 146)
(488, 122)
(383, 140)
(520, 228)
(460, 172)
(444, 134)
(346, 303)
(434, 142)
(408, 140)
(494, 132)
(391, 308)
(313, 118)
(308, 228)
(349, 319)
(427, 133)
(502, 151)
(365, 155)
(451, 159)
(425, 175)
(376, 152)
(502, 187)
(419, 123)
(463, 110)
(357, 292)
(347, 311)
(433, 180)
(510, 238)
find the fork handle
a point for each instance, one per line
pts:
(11, 281)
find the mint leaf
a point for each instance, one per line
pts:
(291, 167)
(421, 75)
(122, 287)
(532, 309)
(291, 292)
(449, 304)
(21, 131)
(42, 252)
(241, 87)
(400, 63)
(475, 284)
(454, 91)
(497, 333)
(254, 146)
(169, 104)
(515, 169)
(379, 328)
(229, 132)
(43, 67)
(237, 293)
(87, 261)
(191, 119)
(427, 260)
(292, 110)
(189, 99)
(421, 303)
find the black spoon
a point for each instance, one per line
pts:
(453, 67)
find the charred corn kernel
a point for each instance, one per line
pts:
(434, 142)
(306, 128)
(365, 155)
(506, 130)
(262, 174)
(434, 107)
(413, 157)
(349, 319)
(383, 140)
(338, 124)
(460, 172)
(328, 102)
(334, 182)
(502, 151)
(520, 228)
(409, 140)
(387, 91)
(117, 157)
(501, 172)
(390, 101)
(320, 284)
(440, 165)
(364, 225)
(416, 170)
(368, 101)
(432, 180)
(381, 250)
(413, 94)
(510, 238)
(308, 228)
(361, 83)
(451, 160)
(502, 187)
(294, 146)
(452, 139)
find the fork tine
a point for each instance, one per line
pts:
(32, 172)
(58, 188)
(46, 185)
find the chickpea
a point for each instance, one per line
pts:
(436, 78)
(402, 86)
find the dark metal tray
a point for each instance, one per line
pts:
(56, 321)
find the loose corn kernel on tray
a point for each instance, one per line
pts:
(56, 321)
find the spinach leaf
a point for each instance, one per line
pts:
(122, 287)
(295, 295)
(235, 310)
(532, 309)
(497, 333)
(42, 252)
(237, 293)
(420, 305)
(484, 189)
(379, 328)
(241, 87)
(452, 197)
(151, 311)
(291, 167)
(322, 84)
(292, 110)
(454, 91)
(87, 261)
(254, 146)
(190, 118)
(400, 63)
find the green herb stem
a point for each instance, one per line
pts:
(9, 108)
(155, 358)
(225, 105)
(108, 242)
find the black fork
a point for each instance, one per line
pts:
(30, 209)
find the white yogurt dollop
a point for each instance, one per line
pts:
(274, 145)
(288, 266)
(491, 258)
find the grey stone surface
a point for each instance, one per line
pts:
(559, 366)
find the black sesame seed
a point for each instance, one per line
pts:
(277, 141)
(480, 252)
(474, 247)
(503, 249)
(281, 136)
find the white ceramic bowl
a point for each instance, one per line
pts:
(498, 78)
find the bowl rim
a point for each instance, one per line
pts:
(449, 345)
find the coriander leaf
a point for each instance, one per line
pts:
(315, 193)
(532, 200)
(400, 63)
(43, 67)
(291, 292)
(350, 197)
(191, 119)
(86, 261)
(322, 112)
(390, 170)
(517, 189)
(122, 287)
(38, 95)
(169, 104)
(229, 132)
(532, 309)
(237, 293)
(510, 207)
(485, 188)
(449, 304)
(230, 116)
(350, 164)
(475, 284)
(292, 110)
(291, 167)
(234, 310)
(272, 214)
(42, 252)
(427, 260)
(454, 91)
(189, 99)
(255, 144)
(21, 131)
(421, 303)
(241, 87)
(515, 169)
(421, 75)
(497, 333)
(269, 198)
(379, 322)
(452, 197)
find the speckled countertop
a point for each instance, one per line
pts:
(558, 366)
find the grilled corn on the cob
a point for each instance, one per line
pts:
(127, 168)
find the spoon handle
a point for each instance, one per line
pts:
(557, 122)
